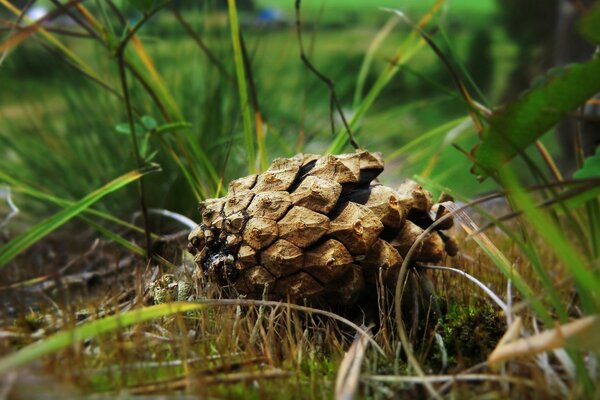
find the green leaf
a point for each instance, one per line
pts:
(148, 122)
(91, 329)
(589, 24)
(125, 130)
(150, 156)
(11, 249)
(520, 123)
(590, 168)
(142, 5)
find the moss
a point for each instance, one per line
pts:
(470, 333)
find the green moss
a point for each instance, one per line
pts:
(470, 333)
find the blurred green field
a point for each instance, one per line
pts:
(420, 98)
(351, 6)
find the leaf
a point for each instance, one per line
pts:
(148, 122)
(590, 168)
(589, 24)
(522, 122)
(142, 5)
(88, 330)
(150, 156)
(125, 130)
(11, 249)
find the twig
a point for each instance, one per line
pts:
(334, 101)
(75, 18)
(213, 59)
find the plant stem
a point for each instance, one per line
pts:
(136, 148)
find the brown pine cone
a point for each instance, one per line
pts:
(314, 227)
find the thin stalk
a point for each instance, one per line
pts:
(198, 40)
(548, 160)
(334, 101)
(136, 148)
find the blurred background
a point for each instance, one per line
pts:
(65, 134)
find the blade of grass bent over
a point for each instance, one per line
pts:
(66, 338)
(28, 238)
(21, 187)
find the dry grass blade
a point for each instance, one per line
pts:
(581, 333)
(295, 307)
(512, 332)
(471, 228)
(111, 323)
(348, 374)
(451, 378)
(25, 32)
(228, 373)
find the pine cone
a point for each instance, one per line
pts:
(314, 227)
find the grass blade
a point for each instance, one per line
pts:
(21, 187)
(242, 85)
(368, 60)
(66, 338)
(587, 283)
(26, 239)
